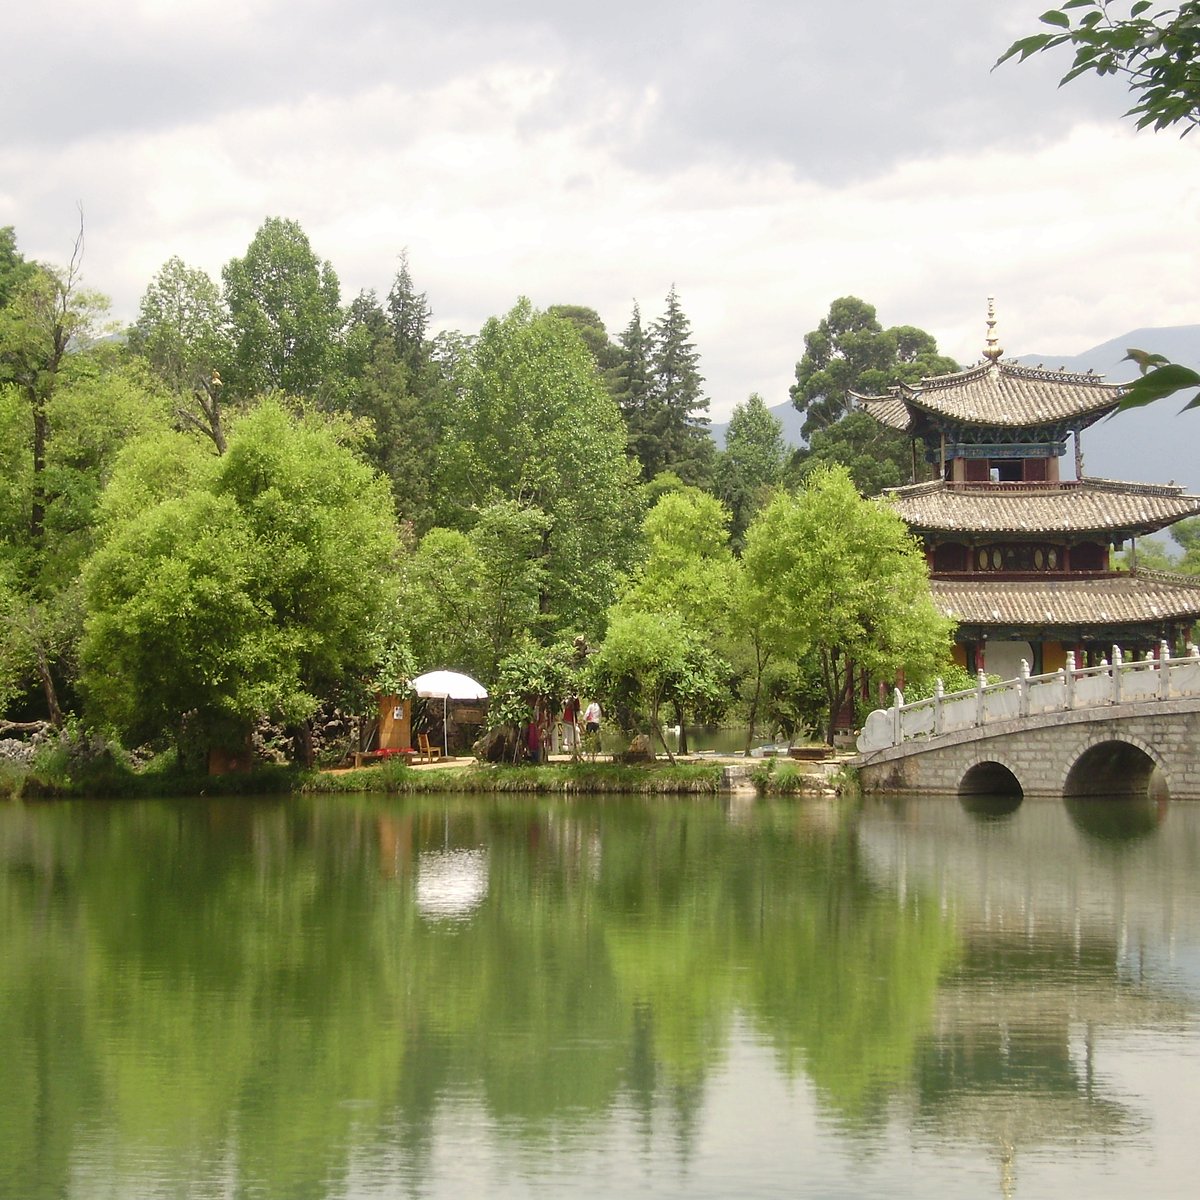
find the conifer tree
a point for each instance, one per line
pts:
(679, 406)
(630, 388)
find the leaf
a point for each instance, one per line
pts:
(1158, 383)
(1140, 7)
(1054, 17)
(1028, 46)
(1144, 359)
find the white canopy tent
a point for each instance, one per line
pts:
(447, 686)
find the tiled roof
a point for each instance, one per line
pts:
(1111, 599)
(887, 410)
(1089, 505)
(1007, 395)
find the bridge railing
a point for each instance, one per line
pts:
(1117, 682)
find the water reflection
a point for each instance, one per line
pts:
(369, 997)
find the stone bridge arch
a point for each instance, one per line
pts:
(991, 772)
(1114, 762)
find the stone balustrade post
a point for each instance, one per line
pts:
(1164, 670)
(1118, 663)
(897, 724)
(980, 710)
(939, 716)
(1023, 689)
(1069, 680)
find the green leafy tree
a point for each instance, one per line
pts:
(533, 424)
(48, 318)
(841, 577)
(257, 591)
(591, 328)
(688, 569)
(472, 597)
(652, 659)
(285, 315)
(1186, 535)
(182, 331)
(751, 464)
(874, 455)
(850, 351)
(1157, 55)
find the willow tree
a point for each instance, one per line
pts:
(256, 588)
(841, 578)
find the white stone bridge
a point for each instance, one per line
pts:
(1119, 729)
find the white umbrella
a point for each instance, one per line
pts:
(447, 685)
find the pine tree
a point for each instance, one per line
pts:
(679, 405)
(408, 315)
(629, 386)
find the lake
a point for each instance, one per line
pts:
(366, 997)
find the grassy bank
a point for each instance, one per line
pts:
(110, 779)
(395, 778)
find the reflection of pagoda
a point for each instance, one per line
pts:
(1020, 557)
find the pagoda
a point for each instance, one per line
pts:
(1019, 556)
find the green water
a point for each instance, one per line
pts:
(365, 997)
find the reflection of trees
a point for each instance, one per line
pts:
(207, 982)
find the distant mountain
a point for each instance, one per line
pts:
(786, 414)
(1155, 444)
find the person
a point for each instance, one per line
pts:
(570, 722)
(591, 717)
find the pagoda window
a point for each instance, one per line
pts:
(1009, 470)
(977, 470)
(950, 556)
(1089, 556)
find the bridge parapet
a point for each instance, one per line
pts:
(1068, 689)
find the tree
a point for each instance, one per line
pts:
(876, 456)
(630, 387)
(285, 314)
(652, 658)
(591, 328)
(841, 577)
(1186, 535)
(751, 463)
(394, 383)
(49, 315)
(850, 351)
(256, 591)
(1157, 54)
(677, 403)
(469, 598)
(534, 424)
(182, 331)
(688, 569)
(408, 315)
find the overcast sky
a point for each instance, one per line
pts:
(764, 156)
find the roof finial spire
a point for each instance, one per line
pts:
(993, 350)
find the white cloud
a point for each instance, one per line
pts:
(1081, 234)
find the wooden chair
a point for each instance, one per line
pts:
(428, 753)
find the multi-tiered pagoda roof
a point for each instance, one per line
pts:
(1014, 550)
